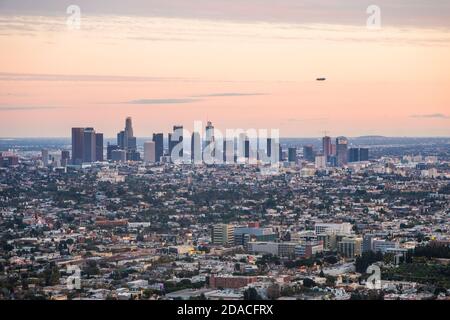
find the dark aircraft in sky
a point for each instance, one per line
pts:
(321, 79)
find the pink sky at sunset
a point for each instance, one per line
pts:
(239, 74)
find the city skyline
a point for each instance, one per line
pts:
(167, 66)
(205, 147)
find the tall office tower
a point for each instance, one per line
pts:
(269, 147)
(121, 140)
(326, 146)
(131, 139)
(158, 139)
(247, 148)
(363, 154)
(209, 137)
(77, 145)
(333, 149)
(224, 154)
(308, 153)
(353, 155)
(320, 162)
(89, 145)
(131, 144)
(342, 151)
(172, 144)
(126, 139)
(240, 145)
(149, 152)
(128, 136)
(222, 234)
(292, 154)
(228, 156)
(65, 157)
(44, 153)
(280, 153)
(196, 148)
(99, 147)
(129, 128)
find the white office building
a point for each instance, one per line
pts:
(321, 162)
(337, 228)
(383, 245)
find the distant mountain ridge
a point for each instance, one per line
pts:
(371, 137)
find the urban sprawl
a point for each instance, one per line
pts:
(337, 221)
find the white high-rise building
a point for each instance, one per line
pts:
(222, 234)
(149, 152)
(321, 162)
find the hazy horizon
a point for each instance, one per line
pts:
(281, 137)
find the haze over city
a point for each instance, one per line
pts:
(239, 64)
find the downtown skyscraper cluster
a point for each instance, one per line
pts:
(87, 145)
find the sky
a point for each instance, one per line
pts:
(238, 63)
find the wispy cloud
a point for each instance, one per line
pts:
(163, 101)
(305, 119)
(25, 108)
(431, 116)
(193, 98)
(229, 94)
(7, 76)
(79, 77)
(399, 12)
(11, 94)
(159, 39)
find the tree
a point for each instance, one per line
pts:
(147, 293)
(273, 291)
(366, 259)
(287, 291)
(251, 294)
(432, 251)
(51, 275)
(389, 258)
(330, 281)
(308, 283)
(140, 237)
(331, 259)
(91, 268)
